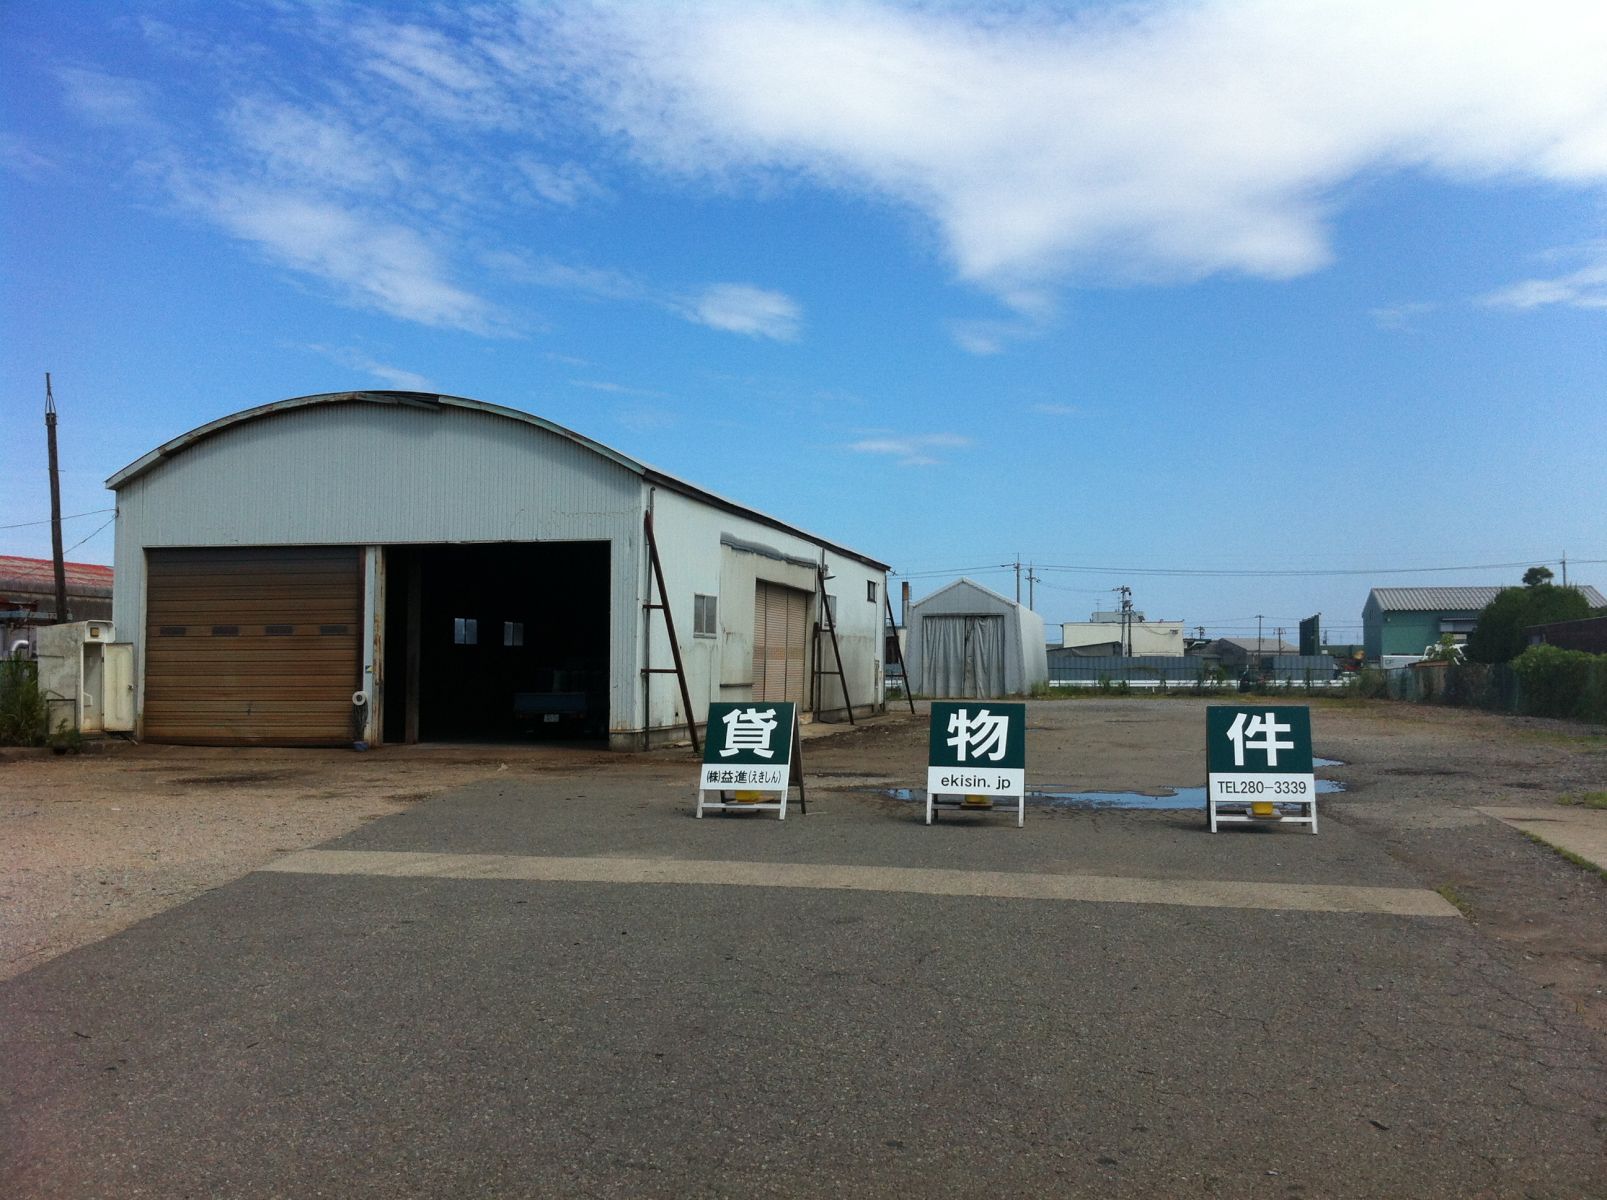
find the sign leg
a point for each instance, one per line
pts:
(797, 758)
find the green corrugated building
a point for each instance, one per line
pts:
(1407, 620)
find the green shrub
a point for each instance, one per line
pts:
(66, 739)
(1499, 634)
(1371, 684)
(1562, 683)
(22, 707)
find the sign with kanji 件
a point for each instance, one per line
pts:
(977, 749)
(1259, 765)
(748, 751)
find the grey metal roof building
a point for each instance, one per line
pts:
(1452, 599)
(966, 640)
(396, 566)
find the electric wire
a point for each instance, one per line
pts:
(81, 541)
(94, 512)
(1249, 573)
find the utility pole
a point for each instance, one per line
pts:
(1032, 592)
(1017, 565)
(1564, 568)
(55, 506)
(1258, 641)
(1127, 619)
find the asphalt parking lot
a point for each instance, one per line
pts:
(557, 982)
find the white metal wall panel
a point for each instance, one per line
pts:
(695, 561)
(1026, 657)
(369, 474)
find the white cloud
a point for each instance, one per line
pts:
(913, 450)
(374, 261)
(292, 144)
(1400, 317)
(445, 78)
(642, 418)
(565, 184)
(733, 307)
(346, 356)
(18, 156)
(1584, 288)
(616, 389)
(745, 309)
(1142, 141)
(600, 283)
(108, 100)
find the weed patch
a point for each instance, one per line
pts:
(1455, 899)
(1584, 800)
(1578, 860)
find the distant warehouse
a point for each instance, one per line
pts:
(394, 566)
(1407, 620)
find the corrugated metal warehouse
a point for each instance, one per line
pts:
(966, 641)
(394, 567)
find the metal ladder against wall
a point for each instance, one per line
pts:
(648, 670)
(898, 650)
(829, 627)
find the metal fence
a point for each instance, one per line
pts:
(1461, 685)
(1171, 673)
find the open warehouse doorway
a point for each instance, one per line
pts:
(497, 642)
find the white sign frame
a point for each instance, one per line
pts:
(778, 780)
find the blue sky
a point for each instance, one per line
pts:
(1187, 297)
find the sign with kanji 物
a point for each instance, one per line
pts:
(748, 753)
(976, 750)
(1259, 766)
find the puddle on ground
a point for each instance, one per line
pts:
(1319, 763)
(1175, 799)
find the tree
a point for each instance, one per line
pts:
(1498, 637)
(1447, 651)
(1535, 576)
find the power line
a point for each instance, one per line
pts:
(81, 541)
(1192, 572)
(95, 512)
(1246, 572)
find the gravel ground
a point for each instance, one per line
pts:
(91, 844)
(95, 843)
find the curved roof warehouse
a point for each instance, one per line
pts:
(399, 566)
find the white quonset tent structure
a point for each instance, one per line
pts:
(966, 640)
(395, 566)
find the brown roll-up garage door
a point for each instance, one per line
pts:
(780, 643)
(252, 645)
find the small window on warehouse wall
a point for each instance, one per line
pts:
(513, 633)
(705, 616)
(870, 590)
(465, 631)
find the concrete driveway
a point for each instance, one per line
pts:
(562, 984)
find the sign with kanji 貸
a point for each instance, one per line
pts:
(976, 749)
(748, 751)
(1259, 765)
